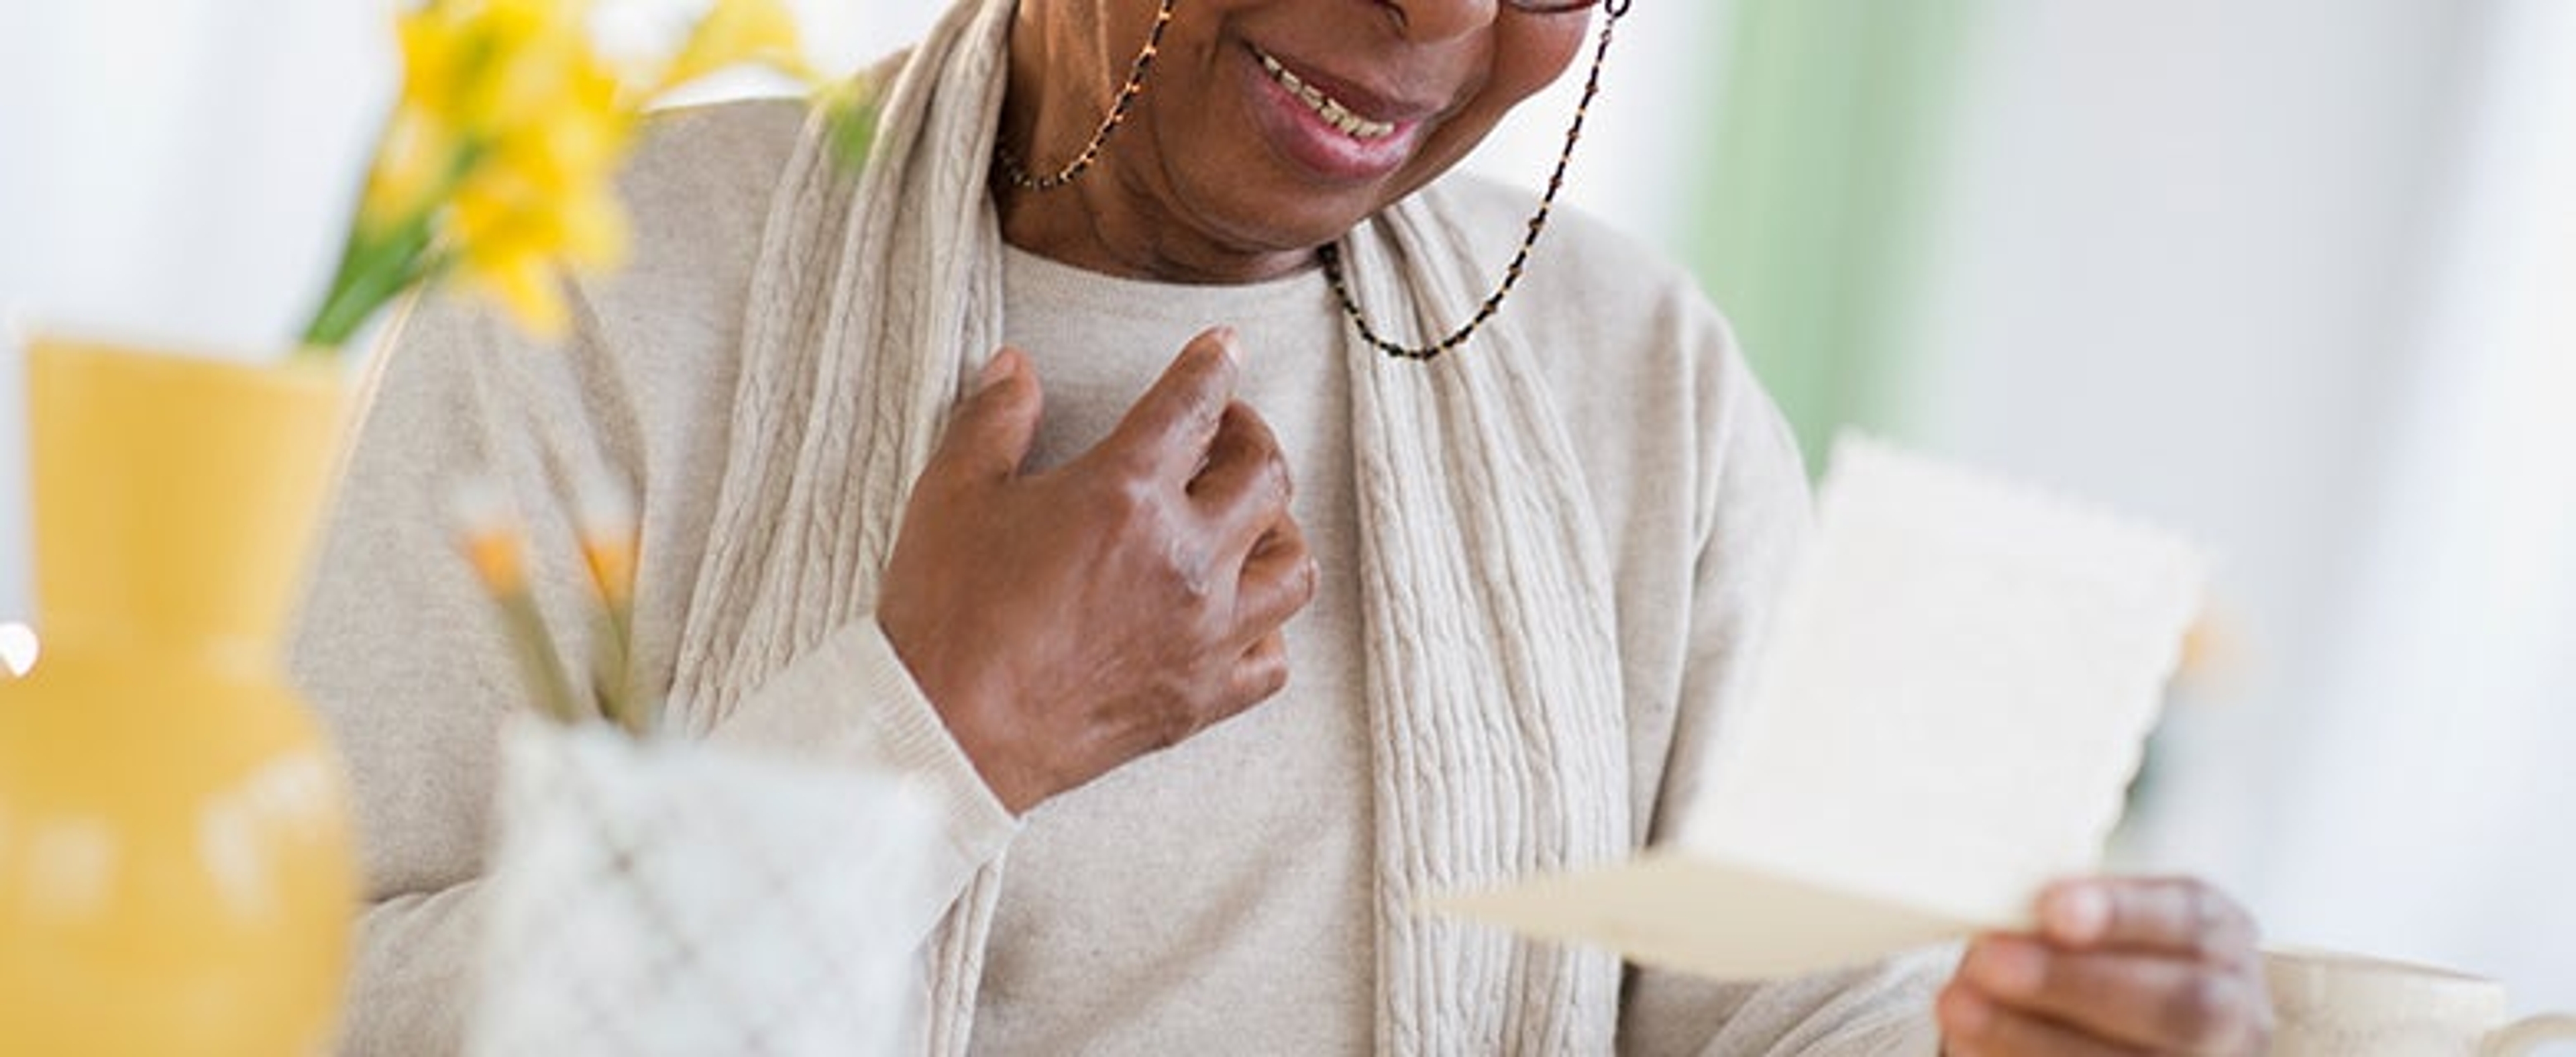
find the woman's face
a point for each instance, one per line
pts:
(1267, 127)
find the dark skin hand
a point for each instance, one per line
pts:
(1065, 623)
(2117, 966)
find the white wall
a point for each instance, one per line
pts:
(1636, 166)
(2205, 260)
(2438, 746)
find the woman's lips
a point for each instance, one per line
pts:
(1333, 111)
(1331, 129)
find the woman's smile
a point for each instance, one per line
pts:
(1324, 124)
(1264, 128)
(1330, 108)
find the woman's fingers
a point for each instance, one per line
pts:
(1168, 430)
(1975, 1025)
(1245, 487)
(1279, 579)
(2176, 915)
(2160, 965)
(1258, 676)
(2158, 1001)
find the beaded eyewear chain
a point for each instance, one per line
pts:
(1331, 255)
(1018, 173)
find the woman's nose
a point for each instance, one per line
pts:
(1433, 21)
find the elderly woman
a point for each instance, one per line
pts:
(1199, 739)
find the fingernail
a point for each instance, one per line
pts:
(2007, 967)
(2077, 913)
(996, 368)
(1225, 339)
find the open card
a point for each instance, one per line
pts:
(1952, 698)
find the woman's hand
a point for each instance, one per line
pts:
(1067, 622)
(2118, 967)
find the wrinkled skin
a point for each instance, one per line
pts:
(1199, 185)
(1066, 623)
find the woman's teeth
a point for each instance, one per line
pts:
(1327, 107)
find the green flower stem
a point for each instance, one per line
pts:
(850, 115)
(373, 271)
(613, 681)
(538, 662)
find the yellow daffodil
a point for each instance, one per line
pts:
(499, 162)
(739, 32)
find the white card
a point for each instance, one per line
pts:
(1951, 701)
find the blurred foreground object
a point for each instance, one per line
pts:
(18, 650)
(176, 869)
(654, 896)
(177, 872)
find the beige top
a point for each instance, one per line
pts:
(1213, 898)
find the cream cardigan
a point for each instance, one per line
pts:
(1693, 482)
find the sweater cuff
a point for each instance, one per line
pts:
(850, 702)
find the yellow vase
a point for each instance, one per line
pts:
(176, 868)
